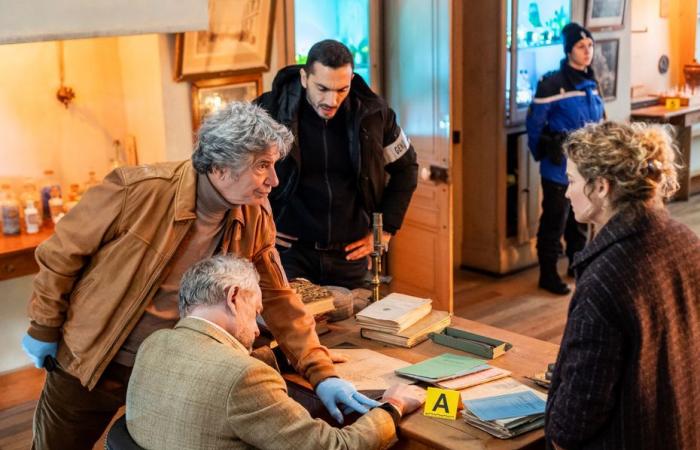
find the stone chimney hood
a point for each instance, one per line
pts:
(48, 20)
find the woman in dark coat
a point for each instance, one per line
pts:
(628, 371)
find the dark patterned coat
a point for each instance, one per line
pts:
(628, 371)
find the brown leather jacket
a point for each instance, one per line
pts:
(105, 261)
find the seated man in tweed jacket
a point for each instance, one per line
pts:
(196, 386)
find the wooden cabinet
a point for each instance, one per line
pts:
(17, 253)
(500, 183)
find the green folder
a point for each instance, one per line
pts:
(443, 367)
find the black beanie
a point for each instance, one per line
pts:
(572, 33)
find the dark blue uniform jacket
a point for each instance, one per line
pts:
(565, 101)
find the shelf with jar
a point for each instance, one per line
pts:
(27, 218)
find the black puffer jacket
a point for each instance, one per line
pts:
(382, 156)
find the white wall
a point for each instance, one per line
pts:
(649, 40)
(38, 132)
(619, 108)
(14, 322)
(176, 104)
(143, 102)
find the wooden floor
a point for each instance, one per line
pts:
(512, 302)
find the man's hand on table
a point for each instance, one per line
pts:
(335, 391)
(405, 397)
(337, 357)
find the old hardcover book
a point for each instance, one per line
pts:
(434, 322)
(317, 300)
(394, 313)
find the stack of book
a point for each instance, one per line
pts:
(505, 408)
(401, 320)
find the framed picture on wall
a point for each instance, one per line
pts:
(237, 41)
(605, 61)
(212, 95)
(605, 14)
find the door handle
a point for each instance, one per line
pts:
(436, 174)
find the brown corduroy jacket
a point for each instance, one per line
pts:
(208, 393)
(105, 262)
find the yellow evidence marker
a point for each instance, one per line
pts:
(673, 103)
(442, 403)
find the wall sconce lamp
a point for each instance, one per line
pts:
(64, 94)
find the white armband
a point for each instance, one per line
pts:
(396, 149)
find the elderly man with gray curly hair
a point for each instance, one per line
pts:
(109, 275)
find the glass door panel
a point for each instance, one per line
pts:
(347, 21)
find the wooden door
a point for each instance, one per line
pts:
(417, 69)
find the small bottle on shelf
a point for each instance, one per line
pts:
(50, 183)
(32, 218)
(31, 194)
(10, 212)
(91, 181)
(74, 195)
(55, 204)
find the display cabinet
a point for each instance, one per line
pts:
(508, 46)
(533, 48)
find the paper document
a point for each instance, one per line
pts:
(474, 379)
(506, 406)
(370, 370)
(502, 428)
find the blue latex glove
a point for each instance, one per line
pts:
(334, 392)
(38, 350)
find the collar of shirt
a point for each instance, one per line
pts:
(233, 340)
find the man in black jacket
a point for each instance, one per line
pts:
(349, 159)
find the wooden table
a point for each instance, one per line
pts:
(417, 431)
(17, 253)
(683, 119)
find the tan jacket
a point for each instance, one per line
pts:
(105, 262)
(208, 393)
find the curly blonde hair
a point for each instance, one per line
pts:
(637, 159)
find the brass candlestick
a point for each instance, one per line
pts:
(377, 231)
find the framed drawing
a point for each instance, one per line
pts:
(210, 96)
(605, 14)
(238, 41)
(605, 61)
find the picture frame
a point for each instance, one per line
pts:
(605, 14)
(211, 95)
(605, 66)
(238, 41)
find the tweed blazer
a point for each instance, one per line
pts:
(628, 371)
(196, 387)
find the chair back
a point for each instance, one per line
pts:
(118, 437)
